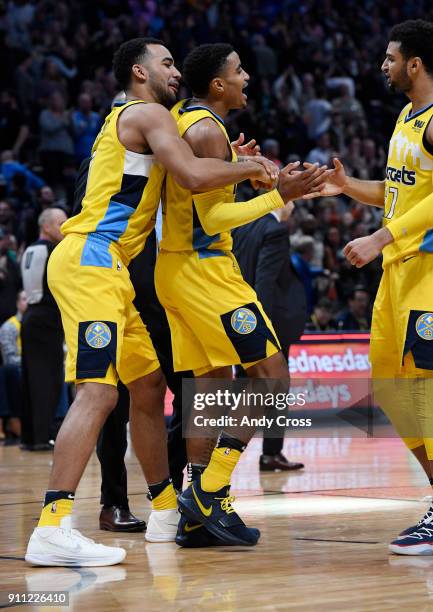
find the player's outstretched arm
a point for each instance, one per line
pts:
(217, 215)
(160, 132)
(367, 192)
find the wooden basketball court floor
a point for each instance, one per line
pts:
(324, 539)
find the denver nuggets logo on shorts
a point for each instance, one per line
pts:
(424, 326)
(98, 335)
(244, 321)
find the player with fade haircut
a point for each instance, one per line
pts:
(401, 349)
(215, 317)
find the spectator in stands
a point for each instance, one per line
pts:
(288, 91)
(333, 249)
(309, 226)
(349, 108)
(56, 142)
(26, 83)
(266, 59)
(317, 115)
(374, 159)
(10, 347)
(10, 167)
(357, 317)
(46, 198)
(322, 319)
(301, 260)
(14, 131)
(86, 125)
(271, 150)
(8, 219)
(354, 159)
(22, 203)
(10, 277)
(52, 82)
(322, 153)
(10, 338)
(19, 15)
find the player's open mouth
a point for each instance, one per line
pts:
(243, 91)
(174, 88)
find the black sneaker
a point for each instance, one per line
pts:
(215, 511)
(191, 534)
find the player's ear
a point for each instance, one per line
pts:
(217, 86)
(414, 64)
(140, 72)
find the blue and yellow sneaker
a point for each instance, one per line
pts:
(418, 542)
(426, 520)
(214, 510)
(191, 534)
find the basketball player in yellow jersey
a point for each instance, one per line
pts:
(401, 350)
(88, 277)
(215, 318)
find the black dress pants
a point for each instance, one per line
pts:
(42, 373)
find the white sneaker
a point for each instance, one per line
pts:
(162, 525)
(63, 546)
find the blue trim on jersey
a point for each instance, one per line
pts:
(109, 229)
(201, 240)
(95, 252)
(427, 243)
(131, 190)
(115, 221)
(200, 107)
(418, 113)
(206, 253)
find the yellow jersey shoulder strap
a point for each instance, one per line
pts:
(187, 114)
(404, 111)
(118, 108)
(417, 123)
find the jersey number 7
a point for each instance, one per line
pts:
(394, 192)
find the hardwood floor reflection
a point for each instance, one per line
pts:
(324, 538)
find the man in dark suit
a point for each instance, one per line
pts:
(262, 249)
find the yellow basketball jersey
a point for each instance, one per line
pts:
(409, 179)
(122, 195)
(181, 227)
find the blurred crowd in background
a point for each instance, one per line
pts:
(316, 91)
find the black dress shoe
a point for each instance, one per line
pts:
(272, 463)
(116, 518)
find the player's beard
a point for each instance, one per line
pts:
(402, 82)
(162, 94)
